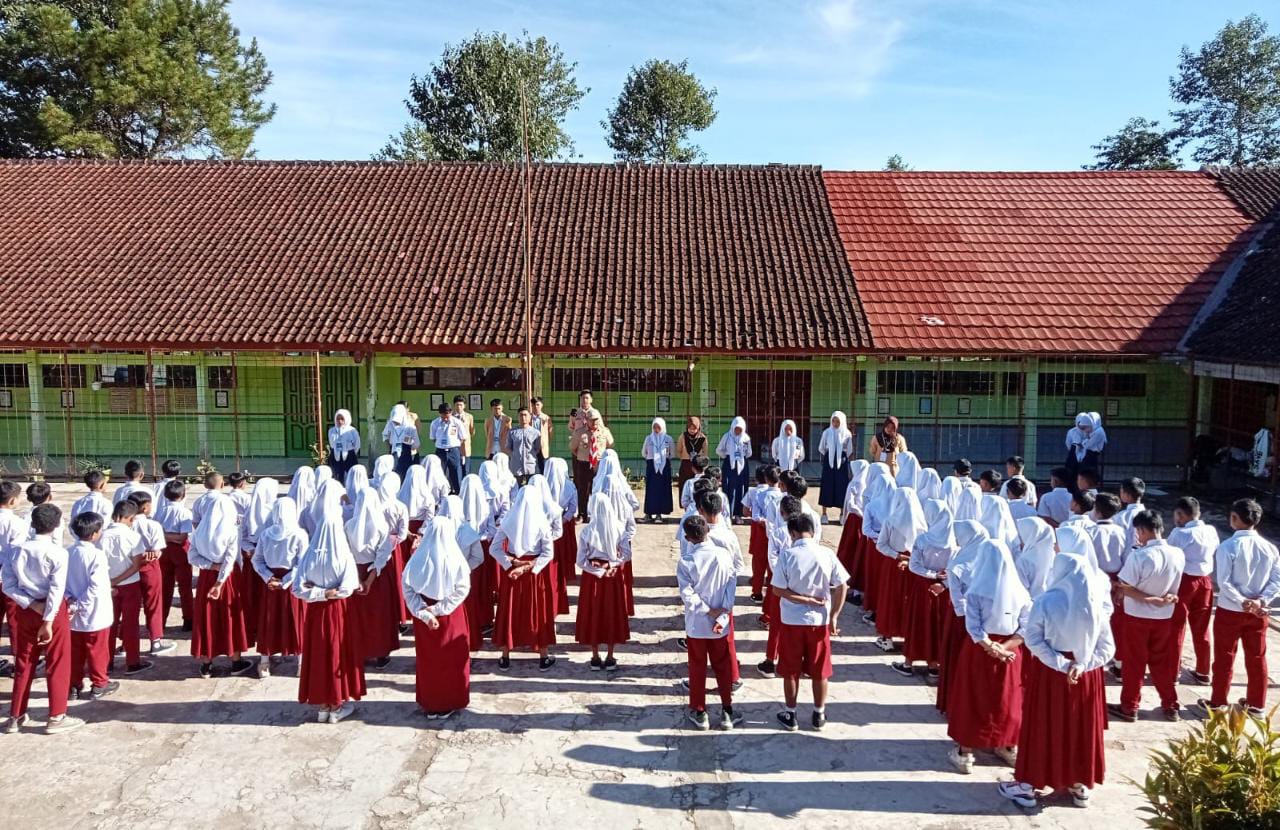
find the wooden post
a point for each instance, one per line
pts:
(320, 436)
(151, 411)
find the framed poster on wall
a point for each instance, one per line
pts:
(437, 400)
(664, 403)
(476, 401)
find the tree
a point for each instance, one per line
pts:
(660, 104)
(1230, 92)
(467, 107)
(1139, 145)
(128, 79)
(895, 164)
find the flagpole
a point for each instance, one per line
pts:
(528, 270)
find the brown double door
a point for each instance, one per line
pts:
(767, 397)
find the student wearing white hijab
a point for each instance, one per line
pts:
(610, 468)
(477, 528)
(622, 499)
(909, 470)
(555, 518)
(1036, 548)
(565, 494)
(328, 492)
(904, 522)
(302, 489)
(344, 444)
(437, 481)
(436, 584)
(218, 627)
(1085, 443)
(969, 534)
(523, 548)
(926, 606)
(658, 450)
(496, 492)
(331, 673)
(984, 705)
(402, 434)
(847, 547)
(417, 498)
(735, 451)
(930, 485)
(356, 479)
(402, 541)
(281, 541)
(323, 473)
(256, 516)
(375, 613)
(875, 505)
(506, 478)
(382, 465)
(836, 449)
(788, 448)
(1068, 636)
(602, 599)
(994, 514)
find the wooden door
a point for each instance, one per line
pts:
(768, 397)
(339, 389)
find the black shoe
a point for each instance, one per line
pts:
(757, 598)
(546, 663)
(406, 629)
(242, 667)
(6, 668)
(767, 669)
(610, 664)
(735, 686)
(682, 644)
(77, 693)
(138, 667)
(487, 630)
(903, 668)
(206, 669)
(187, 625)
(788, 721)
(699, 720)
(856, 599)
(99, 692)
(162, 647)
(1255, 711)
(596, 663)
(819, 720)
(1171, 713)
(1120, 713)
(1202, 679)
(1116, 671)
(504, 663)
(729, 719)
(382, 662)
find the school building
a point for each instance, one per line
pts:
(222, 310)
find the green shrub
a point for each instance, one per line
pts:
(1225, 775)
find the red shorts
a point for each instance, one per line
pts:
(804, 649)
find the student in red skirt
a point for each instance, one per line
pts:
(375, 613)
(402, 541)
(254, 518)
(474, 532)
(436, 583)
(1068, 637)
(602, 601)
(927, 605)
(970, 534)
(624, 510)
(565, 494)
(788, 508)
(984, 706)
(875, 501)
(280, 542)
(847, 548)
(523, 548)
(175, 569)
(903, 524)
(755, 509)
(219, 616)
(331, 674)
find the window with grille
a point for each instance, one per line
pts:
(13, 375)
(620, 380)
(222, 377)
(53, 376)
(1092, 384)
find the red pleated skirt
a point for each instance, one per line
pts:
(891, 606)
(331, 672)
(566, 554)
(953, 636)
(399, 556)
(602, 610)
(218, 626)
(375, 616)
(280, 619)
(629, 580)
(479, 602)
(443, 662)
(984, 700)
(924, 620)
(871, 561)
(1060, 743)
(526, 611)
(252, 589)
(848, 551)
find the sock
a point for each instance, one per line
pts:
(819, 710)
(790, 710)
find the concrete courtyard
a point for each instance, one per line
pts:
(564, 748)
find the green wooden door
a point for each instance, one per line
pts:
(339, 389)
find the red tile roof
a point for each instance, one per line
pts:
(1085, 262)
(421, 257)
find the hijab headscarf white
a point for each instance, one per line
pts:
(525, 524)
(437, 565)
(338, 432)
(939, 532)
(1076, 607)
(994, 514)
(367, 530)
(562, 488)
(302, 489)
(327, 562)
(875, 501)
(657, 445)
(382, 465)
(950, 492)
(282, 539)
(323, 473)
(970, 535)
(477, 511)
(1074, 539)
(996, 579)
(328, 497)
(930, 484)
(621, 497)
(736, 449)
(788, 450)
(265, 491)
(604, 532)
(539, 483)
(908, 470)
(437, 481)
(451, 509)
(388, 487)
(506, 478)
(858, 471)
(1036, 552)
(218, 535)
(609, 474)
(1087, 435)
(836, 440)
(969, 502)
(415, 495)
(357, 479)
(491, 479)
(903, 522)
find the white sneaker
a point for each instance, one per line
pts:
(1008, 754)
(12, 725)
(1021, 794)
(885, 644)
(62, 724)
(1079, 795)
(962, 761)
(322, 716)
(342, 712)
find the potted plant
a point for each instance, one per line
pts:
(33, 467)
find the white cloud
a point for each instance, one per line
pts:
(838, 16)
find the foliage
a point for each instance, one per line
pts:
(89, 465)
(467, 106)
(33, 466)
(1229, 90)
(895, 164)
(660, 104)
(1139, 145)
(202, 469)
(1224, 775)
(319, 454)
(137, 79)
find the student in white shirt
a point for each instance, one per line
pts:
(449, 433)
(175, 568)
(523, 546)
(602, 595)
(219, 617)
(1055, 506)
(810, 582)
(1108, 535)
(95, 501)
(375, 614)
(13, 531)
(150, 576)
(134, 472)
(126, 556)
(280, 544)
(1248, 571)
(1131, 492)
(758, 541)
(708, 583)
(1015, 490)
(735, 451)
(38, 493)
(402, 434)
(1197, 541)
(1014, 468)
(788, 448)
(212, 492)
(436, 583)
(344, 444)
(170, 470)
(90, 606)
(1148, 581)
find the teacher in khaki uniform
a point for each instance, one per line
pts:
(587, 446)
(496, 429)
(468, 421)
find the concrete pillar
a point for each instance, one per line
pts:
(1031, 413)
(371, 435)
(37, 411)
(202, 406)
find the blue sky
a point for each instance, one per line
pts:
(949, 84)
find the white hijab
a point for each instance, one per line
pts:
(414, 493)
(491, 478)
(908, 469)
(562, 489)
(994, 514)
(437, 565)
(342, 429)
(382, 465)
(996, 579)
(939, 533)
(1036, 543)
(302, 489)
(930, 484)
(737, 447)
(328, 559)
(323, 473)
(437, 481)
(876, 496)
(620, 496)
(265, 491)
(1074, 539)
(658, 444)
(968, 502)
(970, 534)
(1076, 604)
(858, 471)
(506, 479)
(785, 447)
(218, 535)
(328, 497)
(836, 437)
(539, 483)
(477, 511)
(610, 470)
(1087, 435)
(399, 414)
(604, 532)
(451, 509)
(388, 489)
(525, 524)
(367, 529)
(357, 480)
(903, 522)
(282, 538)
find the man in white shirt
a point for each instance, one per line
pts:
(1109, 550)
(1194, 608)
(134, 472)
(1055, 506)
(126, 556)
(1248, 570)
(708, 583)
(95, 501)
(13, 532)
(448, 433)
(91, 609)
(1149, 581)
(1014, 467)
(154, 606)
(811, 586)
(1131, 493)
(1015, 490)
